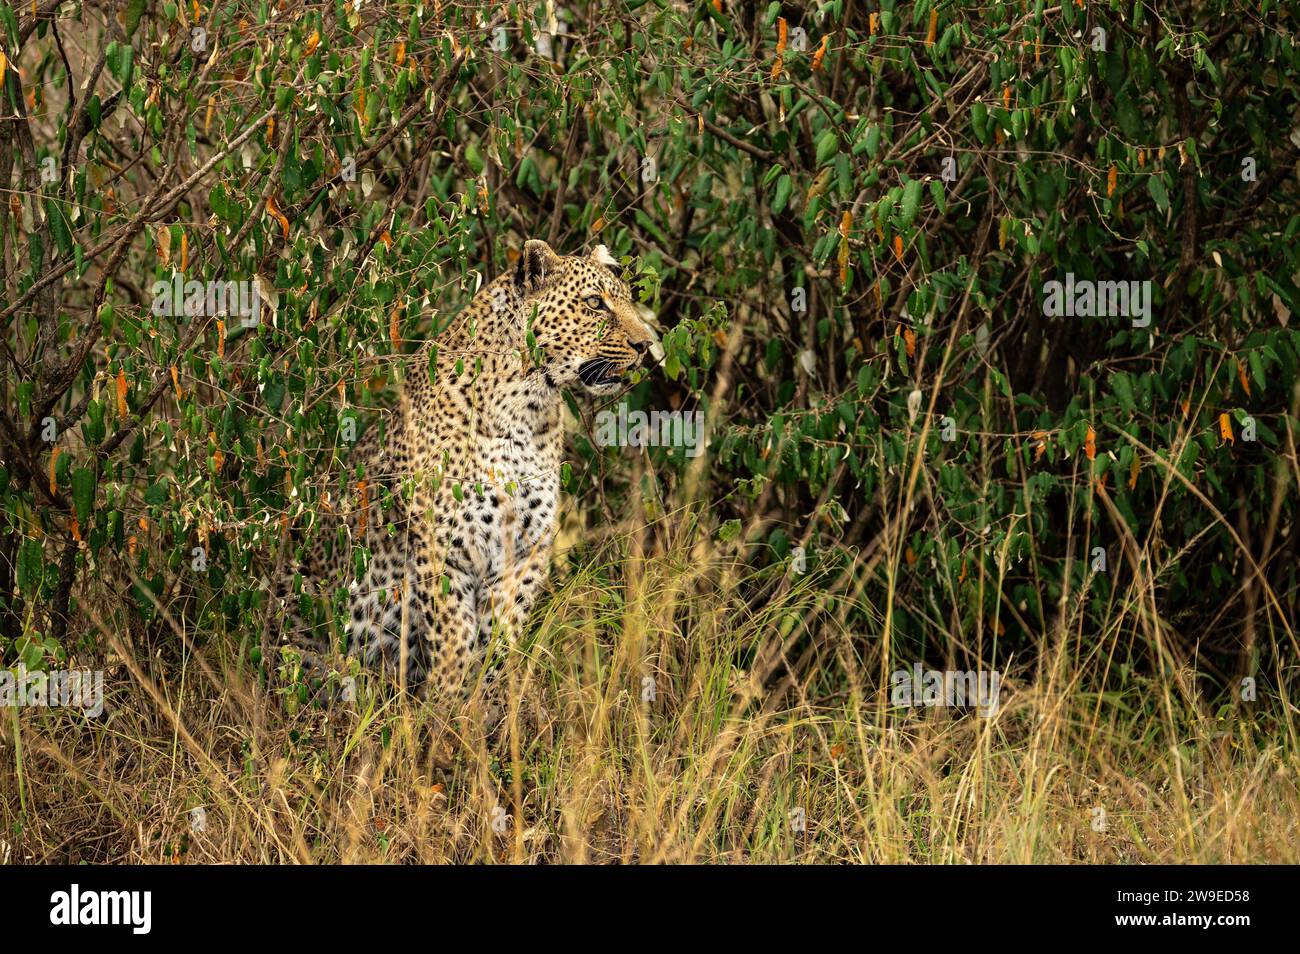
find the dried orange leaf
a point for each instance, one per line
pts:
(1225, 428)
(820, 54)
(218, 457)
(275, 212)
(363, 491)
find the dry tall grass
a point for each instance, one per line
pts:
(764, 711)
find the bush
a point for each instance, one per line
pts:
(847, 219)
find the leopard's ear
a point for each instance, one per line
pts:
(602, 256)
(536, 266)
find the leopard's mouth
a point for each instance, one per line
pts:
(601, 373)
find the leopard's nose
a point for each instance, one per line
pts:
(642, 348)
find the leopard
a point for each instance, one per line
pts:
(454, 496)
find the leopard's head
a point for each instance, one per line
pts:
(583, 319)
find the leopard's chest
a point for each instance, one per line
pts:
(509, 515)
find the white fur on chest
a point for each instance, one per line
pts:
(510, 513)
(517, 516)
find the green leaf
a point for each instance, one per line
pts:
(273, 393)
(474, 159)
(134, 10)
(120, 58)
(936, 193)
(59, 227)
(911, 202)
(873, 140)
(1256, 369)
(783, 188)
(1122, 385)
(83, 493)
(827, 146)
(1156, 186)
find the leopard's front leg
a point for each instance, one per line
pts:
(447, 604)
(508, 607)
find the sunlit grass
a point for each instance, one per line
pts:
(659, 712)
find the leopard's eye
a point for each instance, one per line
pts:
(594, 301)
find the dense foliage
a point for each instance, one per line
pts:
(845, 214)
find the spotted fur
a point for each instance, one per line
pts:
(459, 504)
